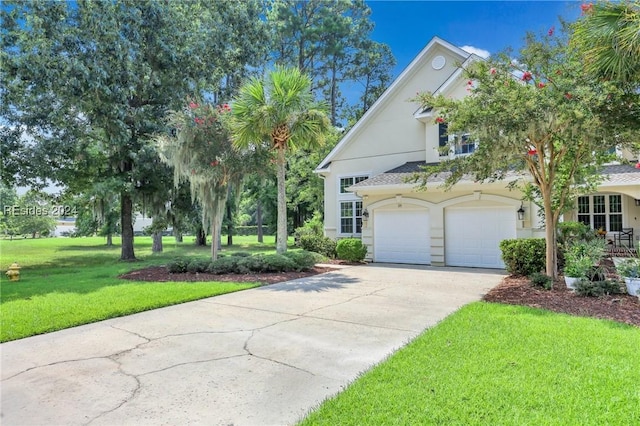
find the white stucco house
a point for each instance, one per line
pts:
(366, 196)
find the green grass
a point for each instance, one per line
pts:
(491, 364)
(71, 281)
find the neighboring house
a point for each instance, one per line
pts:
(366, 195)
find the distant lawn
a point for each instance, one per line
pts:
(71, 281)
(492, 364)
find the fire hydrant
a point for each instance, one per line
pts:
(13, 272)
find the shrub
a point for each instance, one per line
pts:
(178, 266)
(197, 266)
(278, 263)
(249, 264)
(541, 280)
(524, 256)
(319, 244)
(311, 226)
(351, 249)
(224, 265)
(571, 232)
(629, 268)
(304, 260)
(585, 287)
(581, 256)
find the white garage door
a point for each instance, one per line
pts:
(473, 235)
(402, 236)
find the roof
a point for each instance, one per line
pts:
(617, 174)
(397, 176)
(621, 174)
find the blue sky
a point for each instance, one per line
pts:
(407, 26)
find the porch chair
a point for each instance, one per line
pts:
(625, 235)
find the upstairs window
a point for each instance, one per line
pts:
(346, 182)
(451, 145)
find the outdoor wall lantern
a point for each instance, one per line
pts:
(365, 214)
(521, 212)
(637, 203)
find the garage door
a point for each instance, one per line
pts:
(402, 236)
(473, 235)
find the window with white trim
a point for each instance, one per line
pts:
(601, 211)
(346, 182)
(350, 206)
(454, 144)
(351, 217)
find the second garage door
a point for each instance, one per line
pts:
(402, 236)
(473, 235)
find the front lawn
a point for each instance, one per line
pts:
(491, 364)
(71, 281)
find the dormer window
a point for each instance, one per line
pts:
(452, 145)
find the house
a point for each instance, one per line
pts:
(366, 194)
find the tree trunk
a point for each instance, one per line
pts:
(229, 225)
(214, 239)
(551, 257)
(216, 222)
(156, 247)
(126, 223)
(201, 237)
(259, 221)
(109, 239)
(334, 90)
(281, 242)
(177, 235)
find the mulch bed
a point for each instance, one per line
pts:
(518, 291)
(161, 274)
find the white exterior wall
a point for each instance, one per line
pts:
(389, 135)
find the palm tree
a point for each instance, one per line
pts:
(280, 112)
(609, 37)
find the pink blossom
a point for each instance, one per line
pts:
(439, 120)
(568, 95)
(215, 163)
(199, 121)
(541, 85)
(527, 76)
(551, 31)
(193, 105)
(493, 71)
(532, 151)
(637, 166)
(586, 7)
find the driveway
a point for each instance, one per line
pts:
(257, 357)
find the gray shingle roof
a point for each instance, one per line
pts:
(395, 176)
(623, 174)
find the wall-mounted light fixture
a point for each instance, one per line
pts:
(637, 203)
(521, 212)
(365, 214)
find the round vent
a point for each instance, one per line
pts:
(438, 62)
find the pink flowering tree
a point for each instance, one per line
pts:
(538, 115)
(200, 151)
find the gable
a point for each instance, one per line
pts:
(389, 126)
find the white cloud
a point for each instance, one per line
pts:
(477, 51)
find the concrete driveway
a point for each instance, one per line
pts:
(258, 357)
